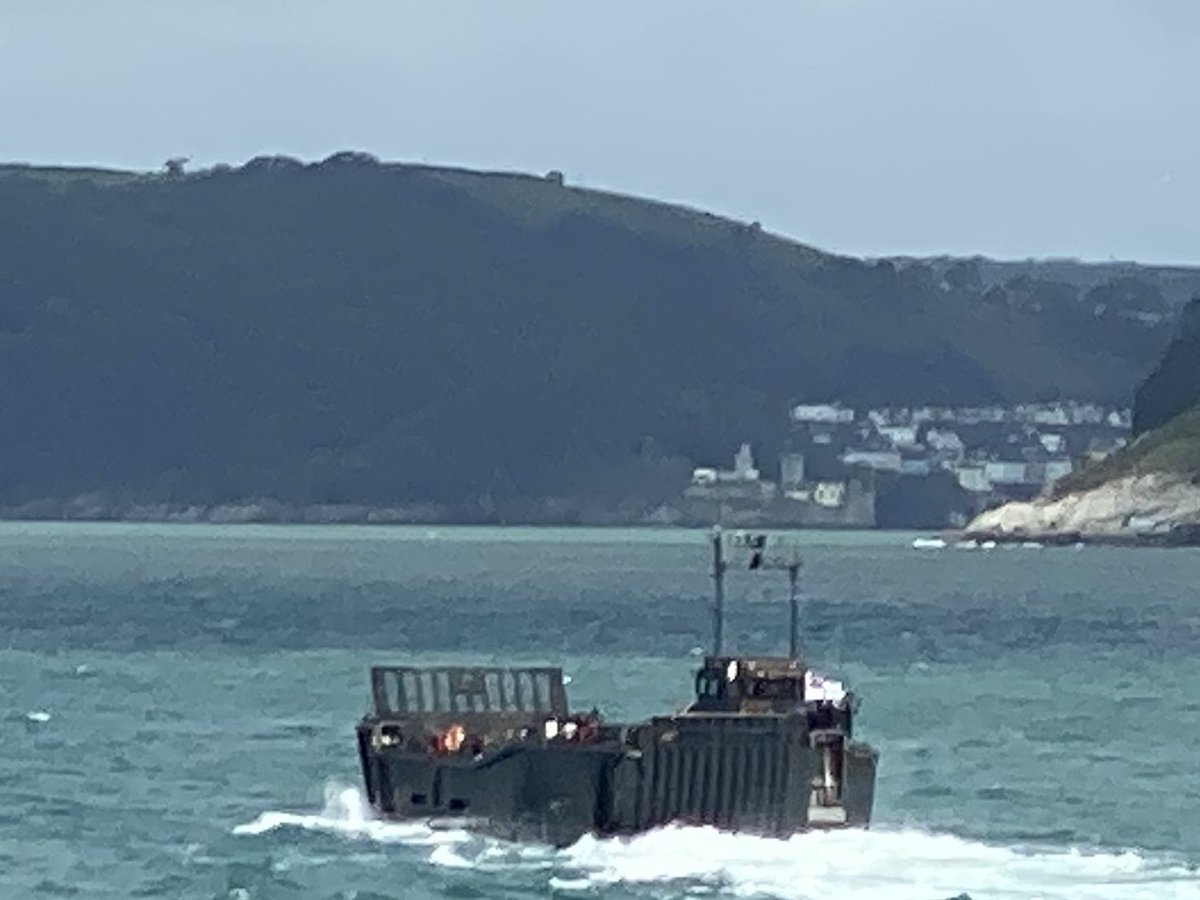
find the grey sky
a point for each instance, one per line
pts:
(864, 126)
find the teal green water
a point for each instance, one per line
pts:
(179, 705)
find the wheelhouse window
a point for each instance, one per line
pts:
(709, 686)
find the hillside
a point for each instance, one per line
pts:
(1166, 417)
(1150, 289)
(1174, 385)
(356, 332)
(1150, 486)
(1170, 448)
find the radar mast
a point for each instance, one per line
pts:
(764, 554)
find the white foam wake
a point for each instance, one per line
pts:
(346, 812)
(872, 865)
(851, 865)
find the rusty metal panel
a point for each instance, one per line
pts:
(405, 690)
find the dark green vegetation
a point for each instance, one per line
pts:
(1116, 288)
(1174, 447)
(351, 332)
(1174, 386)
(1166, 419)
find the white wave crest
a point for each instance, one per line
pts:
(871, 865)
(346, 812)
(880, 864)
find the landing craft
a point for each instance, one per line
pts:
(766, 746)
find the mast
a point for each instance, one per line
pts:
(718, 574)
(761, 558)
(793, 570)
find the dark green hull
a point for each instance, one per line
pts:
(753, 773)
(766, 746)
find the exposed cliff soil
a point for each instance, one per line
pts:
(1146, 504)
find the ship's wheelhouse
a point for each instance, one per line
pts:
(729, 684)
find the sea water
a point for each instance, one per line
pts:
(179, 704)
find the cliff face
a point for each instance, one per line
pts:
(1150, 486)
(1136, 504)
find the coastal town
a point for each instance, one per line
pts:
(922, 466)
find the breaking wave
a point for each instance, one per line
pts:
(346, 812)
(882, 864)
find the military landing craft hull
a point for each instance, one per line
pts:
(765, 747)
(526, 774)
(556, 797)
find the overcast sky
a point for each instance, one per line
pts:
(1009, 128)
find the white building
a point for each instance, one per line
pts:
(1058, 468)
(831, 494)
(947, 442)
(1006, 471)
(974, 479)
(1086, 414)
(791, 470)
(1054, 443)
(900, 435)
(881, 460)
(823, 414)
(743, 465)
(1049, 415)
(980, 415)
(743, 470)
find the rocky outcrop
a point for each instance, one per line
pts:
(1146, 494)
(1149, 504)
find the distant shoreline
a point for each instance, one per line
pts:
(649, 526)
(301, 521)
(948, 538)
(1179, 537)
(543, 512)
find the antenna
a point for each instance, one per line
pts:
(786, 558)
(793, 570)
(718, 574)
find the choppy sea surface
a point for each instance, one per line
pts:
(178, 706)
